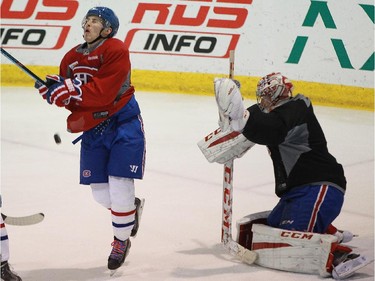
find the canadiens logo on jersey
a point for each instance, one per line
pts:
(84, 73)
(86, 173)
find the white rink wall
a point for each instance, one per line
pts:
(319, 41)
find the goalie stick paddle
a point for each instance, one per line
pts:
(226, 231)
(25, 220)
(23, 67)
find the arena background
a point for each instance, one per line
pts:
(180, 46)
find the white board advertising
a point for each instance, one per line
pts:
(320, 41)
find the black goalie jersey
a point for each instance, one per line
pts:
(296, 143)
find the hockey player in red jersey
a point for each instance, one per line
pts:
(94, 84)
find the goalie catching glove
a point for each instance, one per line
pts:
(60, 91)
(232, 112)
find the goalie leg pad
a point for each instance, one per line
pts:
(245, 224)
(294, 251)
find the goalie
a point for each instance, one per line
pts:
(308, 180)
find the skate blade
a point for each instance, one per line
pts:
(349, 271)
(112, 272)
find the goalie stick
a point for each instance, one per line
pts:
(23, 68)
(226, 230)
(25, 220)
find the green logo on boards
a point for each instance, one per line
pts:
(320, 8)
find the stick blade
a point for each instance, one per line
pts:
(248, 256)
(237, 250)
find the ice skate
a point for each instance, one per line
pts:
(350, 264)
(120, 250)
(7, 274)
(139, 203)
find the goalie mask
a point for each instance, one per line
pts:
(273, 90)
(108, 17)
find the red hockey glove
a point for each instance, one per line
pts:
(61, 93)
(50, 80)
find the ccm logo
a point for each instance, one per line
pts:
(179, 23)
(16, 16)
(227, 197)
(211, 135)
(297, 235)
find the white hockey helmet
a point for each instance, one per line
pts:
(272, 89)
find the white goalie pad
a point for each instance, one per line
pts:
(245, 224)
(221, 147)
(293, 251)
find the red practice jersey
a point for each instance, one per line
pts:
(105, 73)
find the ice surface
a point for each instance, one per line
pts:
(179, 236)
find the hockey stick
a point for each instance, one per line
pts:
(23, 68)
(226, 235)
(138, 215)
(231, 64)
(26, 220)
(226, 230)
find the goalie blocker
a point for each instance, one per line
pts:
(221, 147)
(296, 251)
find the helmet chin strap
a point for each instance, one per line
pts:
(97, 38)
